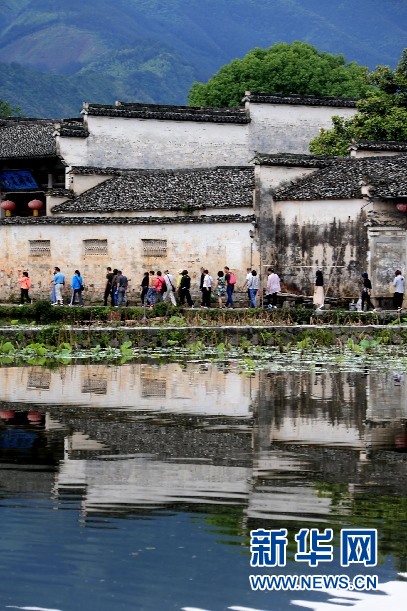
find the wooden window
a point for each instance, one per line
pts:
(94, 247)
(39, 248)
(154, 248)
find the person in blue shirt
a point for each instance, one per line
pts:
(59, 281)
(77, 288)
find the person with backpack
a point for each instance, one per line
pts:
(230, 286)
(169, 281)
(160, 287)
(25, 285)
(185, 288)
(77, 288)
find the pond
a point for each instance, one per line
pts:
(137, 486)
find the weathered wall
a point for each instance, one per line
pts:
(189, 245)
(288, 128)
(300, 237)
(388, 248)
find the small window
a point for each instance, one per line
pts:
(94, 247)
(39, 248)
(94, 386)
(39, 380)
(154, 248)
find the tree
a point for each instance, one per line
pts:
(283, 68)
(6, 110)
(382, 114)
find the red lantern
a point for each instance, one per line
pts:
(401, 207)
(35, 205)
(8, 206)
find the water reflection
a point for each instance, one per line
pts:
(155, 460)
(174, 388)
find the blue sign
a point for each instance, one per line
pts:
(17, 180)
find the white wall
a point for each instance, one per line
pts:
(150, 143)
(288, 128)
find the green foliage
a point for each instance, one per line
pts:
(161, 309)
(6, 110)
(382, 114)
(283, 68)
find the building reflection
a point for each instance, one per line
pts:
(144, 436)
(192, 388)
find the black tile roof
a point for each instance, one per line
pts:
(298, 99)
(181, 190)
(376, 145)
(123, 220)
(292, 160)
(342, 179)
(72, 128)
(26, 138)
(174, 113)
(91, 170)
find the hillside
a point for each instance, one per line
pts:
(153, 50)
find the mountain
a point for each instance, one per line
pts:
(55, 55)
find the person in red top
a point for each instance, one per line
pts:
(159, 285)
(25, 285)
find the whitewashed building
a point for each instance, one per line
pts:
(156, 187)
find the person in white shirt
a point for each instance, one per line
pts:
(246, 282)
(399, 285)
(253, 286)
(206, 289)
(169, 281)
(273, 287)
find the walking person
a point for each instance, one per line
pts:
(77, 288)
(185, 287)
(25, 285)
(201, 281)
(151, 293)
(253, 286)
(144, 287)
(207, 289)
(319, 296)
(160, 287)
(245, 286)
(399, 285)
(114, 288)
(108, 287)
(366, 293)
(121, 283)
(221, 288)
(170, 294)
(273, 287)
(59, 281)
(230, 286)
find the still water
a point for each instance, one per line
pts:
(135, 487)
